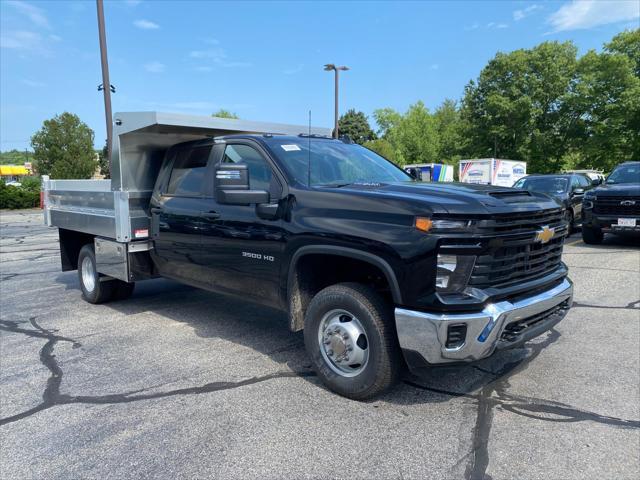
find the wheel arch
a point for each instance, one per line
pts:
(297, 296)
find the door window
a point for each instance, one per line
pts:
(584, 182)
(260, 175)
(188, 172)
(575, 183)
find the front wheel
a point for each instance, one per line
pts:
(350, 335)
(592, 236)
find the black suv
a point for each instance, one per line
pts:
(614, 207)
(567, 188)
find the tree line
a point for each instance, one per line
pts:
(544, 105)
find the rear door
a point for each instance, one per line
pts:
(178, 214)
(241, 251)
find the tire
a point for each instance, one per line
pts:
(122, 290)
(347, 309)
(592, 236)
(93, 290)
(568, 216)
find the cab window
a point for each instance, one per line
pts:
(188, 173)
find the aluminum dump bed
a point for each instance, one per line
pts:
(119, 208)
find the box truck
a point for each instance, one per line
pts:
(492, 171)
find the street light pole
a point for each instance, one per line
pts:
(106, 86)
(328, 67)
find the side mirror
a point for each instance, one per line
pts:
(596, 182)
(414, 173)
(578, 191)
(232, 185)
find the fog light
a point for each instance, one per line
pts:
(453, 272)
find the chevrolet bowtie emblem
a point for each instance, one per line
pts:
(544, 235)
(627, 203)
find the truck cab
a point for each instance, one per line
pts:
(380, 271)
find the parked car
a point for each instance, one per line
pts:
(380, 271)
(596, 176)
(568, 189)
(613, 207)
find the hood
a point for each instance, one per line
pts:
(619, 190)
(457, 198)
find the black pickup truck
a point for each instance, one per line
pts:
(381, 271)
(613, 207)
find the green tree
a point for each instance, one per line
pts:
(517, 107)
(222, 113)
(356, 126)
(448, 125)
(15, 157)
(63, 148)
(412, 137)
(103, 160)
(381, 147)
(605, 103)
(627, 43)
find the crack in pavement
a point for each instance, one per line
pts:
(635, 305)
(495, 394)
(52, 397)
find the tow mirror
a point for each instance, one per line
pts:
(578, 191)
(596, 181)
(232, 185)
(414, 173)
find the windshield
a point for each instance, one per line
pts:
(550, 185)
(333, 163)
(625, 174)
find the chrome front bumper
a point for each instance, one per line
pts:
(425, 334)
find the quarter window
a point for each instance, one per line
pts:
(188, 172)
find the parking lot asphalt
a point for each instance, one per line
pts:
(181, 383)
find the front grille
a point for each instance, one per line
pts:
(611, 206)
(518, 257)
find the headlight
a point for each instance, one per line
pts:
(453, 272)
(428, 224)
(588, 204)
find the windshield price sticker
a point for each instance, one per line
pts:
(290, 148)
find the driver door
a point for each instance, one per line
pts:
(241, 251)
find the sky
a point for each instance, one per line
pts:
(264, 60)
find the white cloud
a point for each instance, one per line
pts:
(218, 56)
(146, 24)
(25, 41)
(55, 38)
(491, 25)
(293, 70)
(583, 14)
(35, 14)
(525, 12)
(475, 26)
(204, 69)
(155, 67)
(434, 66)
(33, 83)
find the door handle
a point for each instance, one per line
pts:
(156, 210)
(210, 215)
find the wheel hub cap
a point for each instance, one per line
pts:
(88, 276)
(343, 343)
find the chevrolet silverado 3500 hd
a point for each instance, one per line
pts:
(379, 270)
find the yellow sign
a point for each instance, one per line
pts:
(13, 170)
(546, 234)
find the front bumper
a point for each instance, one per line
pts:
(609, 223)
(424, 336)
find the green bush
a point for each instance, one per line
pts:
(25, 196)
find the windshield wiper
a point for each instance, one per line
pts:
(337, 185)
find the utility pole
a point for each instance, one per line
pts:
(106, 86)
(328, 67)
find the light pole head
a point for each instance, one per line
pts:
(343, 67)
(329, 66)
